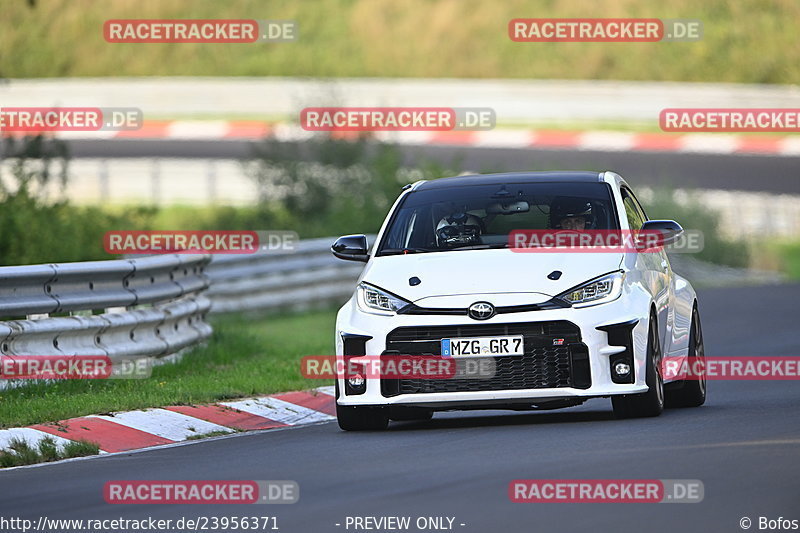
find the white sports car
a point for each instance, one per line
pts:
(558, 327)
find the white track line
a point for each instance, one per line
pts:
(790, 146)
(330, 390)
(503, 139)
(279, 410)
(198, 129)
(29, 435)
(166, 424)
(606, 140)
(708, 143)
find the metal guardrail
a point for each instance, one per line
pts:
(304, 278)
(156, 306)
(148, 307)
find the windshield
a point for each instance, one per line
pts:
(482, 216)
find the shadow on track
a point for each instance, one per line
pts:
(496, 420)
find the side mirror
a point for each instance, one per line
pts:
(351, 248)
(669, 230)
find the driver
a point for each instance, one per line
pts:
(571, 214)
(458, 229)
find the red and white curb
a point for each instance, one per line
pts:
(133, 430)
(709, 143)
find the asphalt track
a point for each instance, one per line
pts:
(744, 445)
(745, 172)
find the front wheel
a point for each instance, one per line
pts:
(361, 418)
(692, 392)
(650, 403)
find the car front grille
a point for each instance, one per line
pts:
(543, 365)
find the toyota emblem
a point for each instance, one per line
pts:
(481, 311)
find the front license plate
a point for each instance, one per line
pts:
(482, 346)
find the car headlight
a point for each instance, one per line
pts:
(374, 300)
(597, 291)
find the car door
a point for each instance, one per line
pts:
(656, 270)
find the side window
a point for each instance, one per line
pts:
(639, 207)
(633, 211)
(400, 231)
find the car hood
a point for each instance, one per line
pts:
(499, 271)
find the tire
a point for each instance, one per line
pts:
(692, 392)
(360, 418)
(650, 403)
(408, 414)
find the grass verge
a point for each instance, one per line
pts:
(750, 41)
(21, 453)
(245, 357)
(790, 257)
(782, 255)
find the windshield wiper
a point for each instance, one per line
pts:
(402, 251)
(483, 246)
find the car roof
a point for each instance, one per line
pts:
(512, 177)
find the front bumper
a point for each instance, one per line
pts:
(372, 331)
